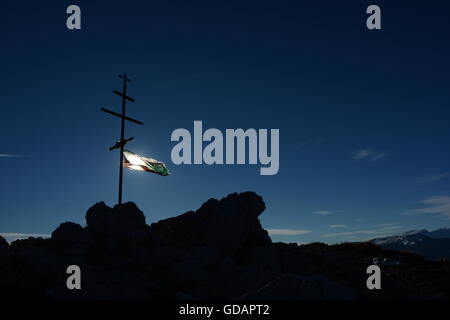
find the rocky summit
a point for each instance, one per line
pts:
(219, 251)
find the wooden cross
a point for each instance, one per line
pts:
(122, 142)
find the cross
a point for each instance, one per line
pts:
(122, 142)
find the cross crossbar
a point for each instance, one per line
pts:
(120, 116)
(123, 96)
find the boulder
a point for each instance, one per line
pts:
(122, 221)
(99, 219)
(69, 233)
(228, 225)
(128, 219)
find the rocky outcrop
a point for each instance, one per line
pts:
(69, 233)
(119, 222)
(228, 225)
(219, 251)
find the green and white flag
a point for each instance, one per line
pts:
(133, 161)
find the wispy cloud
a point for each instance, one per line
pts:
(11, 236)
(324, 212)
(386, 225)
(368, 154)
(352, 233)
(433, 178)
(392, 228)
(287, 232)
(438, 205)
(384, 230)
(6, 155)
(378, 156)
(361, 154)
(334, 226)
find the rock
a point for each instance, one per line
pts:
(31, 243)
(122, 221)
(142, 257)
(183, 296)
(158, 258)
(190, 273)
(128, 219)
(69, 233)
(206, 255)
(12, 283)
(76, 250)
(219, 251)
(3, 242)
(234, 285)
(294, 287)
(99, 219)
(163, 257)
(265, 257)
(225, 268)
(229, 225)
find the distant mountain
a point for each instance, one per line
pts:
(430, 244)
(436, 234)
(439, 233)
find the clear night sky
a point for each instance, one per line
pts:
(363, 115)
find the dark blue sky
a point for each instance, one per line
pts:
(363, 115)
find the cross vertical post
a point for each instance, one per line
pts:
(122, 142)
(122, 135)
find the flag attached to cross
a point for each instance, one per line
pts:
(134, 161)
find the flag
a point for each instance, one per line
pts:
(133, 161)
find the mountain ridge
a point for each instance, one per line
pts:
(432, 245)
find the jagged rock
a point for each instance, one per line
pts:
(31, 242)
(122, 221)
(205, 255)
(265, 257)
(99, 218)
(128, 219)
(219, 251)
(294, 287)
(228, 225)
(69, 233)
(3, 242)
(190, 273)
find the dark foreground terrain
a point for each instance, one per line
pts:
(219, 251)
